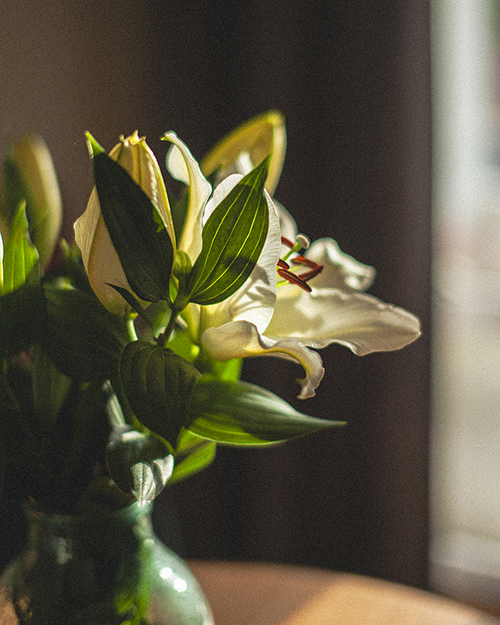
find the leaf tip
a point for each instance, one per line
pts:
(93, 146)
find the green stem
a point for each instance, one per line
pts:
(117, 387)
(113, 408)
(296, 248)
(162, 339)
(131, 328)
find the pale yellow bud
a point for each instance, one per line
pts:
(43, 204)
(247, 146)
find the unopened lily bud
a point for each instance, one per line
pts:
(247, 146)
(183, 265)
(100, 258)
(30, 176)
(182, 271)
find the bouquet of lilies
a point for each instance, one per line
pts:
(121, 353)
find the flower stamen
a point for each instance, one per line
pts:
(287, 242)
(300, 279)
(302, 260)
(309, 275)
(301, 243)
(283, 268)
(294, 279)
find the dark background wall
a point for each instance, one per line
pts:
(353, 82)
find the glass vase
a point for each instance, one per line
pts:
(105, 567)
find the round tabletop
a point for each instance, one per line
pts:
(275, 594)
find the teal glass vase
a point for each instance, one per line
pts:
(105, 567)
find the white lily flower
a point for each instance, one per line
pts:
(286, 322)
(254, 302)
(315, 319)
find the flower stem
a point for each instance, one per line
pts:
(162, 338)
(131, 328)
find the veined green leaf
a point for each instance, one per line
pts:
(238, 413)
(158, 384)
(20, 255)
(233, 238)
(192, 455)
(139, 463)
(137, 230)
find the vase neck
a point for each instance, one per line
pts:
(64, 538)
(94, 515)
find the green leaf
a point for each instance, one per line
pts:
(157, 383)
(80, 436)
(137, 230)
(82, 338)
(192, 455)
(227, 370)
(22, 318)
(15, 419)
(20, 255)
(134, 304)
(15, 189)
(182, 344)
(50, 387)
(233, 238)
(239, 413)
(139, 463)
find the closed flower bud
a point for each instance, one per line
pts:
(30, 176)
(247, 146)
(99, 256)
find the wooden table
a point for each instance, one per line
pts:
(274, 594)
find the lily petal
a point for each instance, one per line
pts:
(98, 252)
(183, 166)
(137, 158)
(339, 269)
(359, 321)
(287, 222)
(240, 339)
(44, 206)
